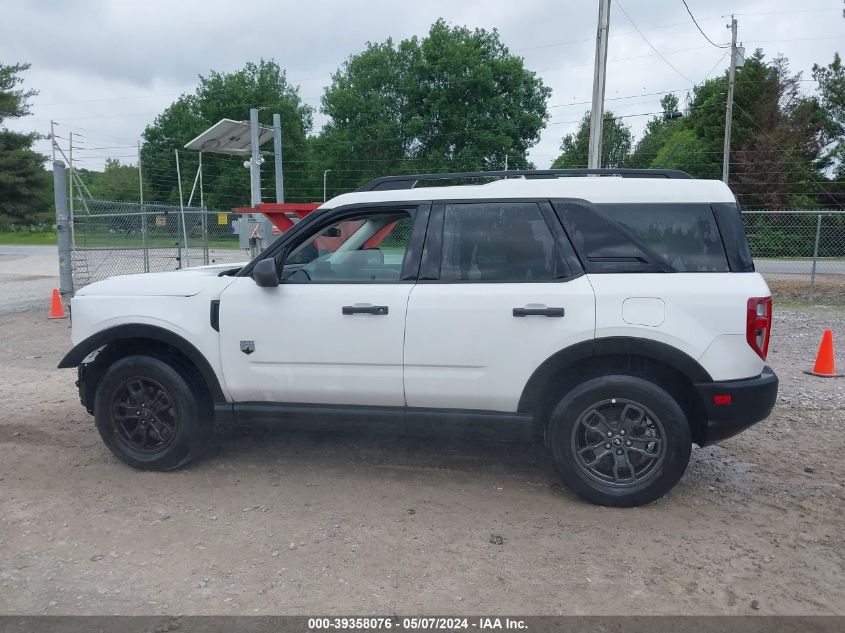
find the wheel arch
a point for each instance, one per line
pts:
(673, 369)
(141, 338)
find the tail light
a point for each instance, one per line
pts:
(758, 327)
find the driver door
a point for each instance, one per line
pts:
(333, 331)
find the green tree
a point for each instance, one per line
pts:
(25, 197)
(616, 143)
(776, 161)
(777, 136)
(454, 100)
(831, 89)
(657, 133)
(684, 150)
(116, 182)
(228, 95)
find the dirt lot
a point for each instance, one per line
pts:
(276, 521)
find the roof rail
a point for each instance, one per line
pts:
(387, 183)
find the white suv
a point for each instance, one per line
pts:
(614, 315)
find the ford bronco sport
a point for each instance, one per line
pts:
(613, 315)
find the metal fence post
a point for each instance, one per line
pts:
(144, 246)
(815, 258)
(205, 244)
(63, 228)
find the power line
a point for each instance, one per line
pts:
(699, 28)
(645, 39)
(662, 26)
(790, 11)
(716, 65)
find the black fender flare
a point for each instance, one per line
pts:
(150, 332)
(607, 346)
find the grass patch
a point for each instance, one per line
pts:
(830, 290)
(27, 238)
(48, 238)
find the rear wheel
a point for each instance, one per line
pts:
(149, 415)
(619, 440)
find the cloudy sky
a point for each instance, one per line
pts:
(105, 68)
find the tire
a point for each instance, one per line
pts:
(171, 429)
(648, 453)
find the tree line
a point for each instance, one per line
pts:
(455, 99)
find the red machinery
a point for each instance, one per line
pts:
(284, 215)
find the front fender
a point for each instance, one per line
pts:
(135, 331)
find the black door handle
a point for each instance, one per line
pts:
(547, 312)
(376, 310)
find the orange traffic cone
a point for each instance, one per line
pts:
(57, 310)
(825, 365)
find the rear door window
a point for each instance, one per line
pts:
(498, 242)
(644, 237)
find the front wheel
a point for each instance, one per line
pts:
(148, 414)
(619, 441)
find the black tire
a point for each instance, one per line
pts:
(174, 424)
(605, 464)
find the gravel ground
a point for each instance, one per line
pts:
(275, 521)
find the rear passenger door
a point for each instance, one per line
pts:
(499, 291)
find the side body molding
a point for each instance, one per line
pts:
(608, 346)
(130, 332)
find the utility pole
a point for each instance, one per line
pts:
(729, 111)
(599, 75)
(277, 154)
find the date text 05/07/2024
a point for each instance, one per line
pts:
(417, 623)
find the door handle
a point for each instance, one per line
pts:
(546, 312)
(375, 310)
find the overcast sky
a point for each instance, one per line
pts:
(105, 68)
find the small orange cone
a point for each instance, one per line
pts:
(825, 365)
(57, 310)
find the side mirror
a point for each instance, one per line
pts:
(332, 231)
(265, 273)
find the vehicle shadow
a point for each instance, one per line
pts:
(260, 443)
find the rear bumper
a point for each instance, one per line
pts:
(752, 400)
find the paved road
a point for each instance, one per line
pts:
(29, 273)
(799, 266)
(27, 276)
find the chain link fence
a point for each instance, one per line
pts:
(110, 237)
(801, 253)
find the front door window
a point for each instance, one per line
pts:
(369, 248)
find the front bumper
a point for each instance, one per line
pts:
(751, 400)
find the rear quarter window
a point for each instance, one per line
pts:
(644, 237)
